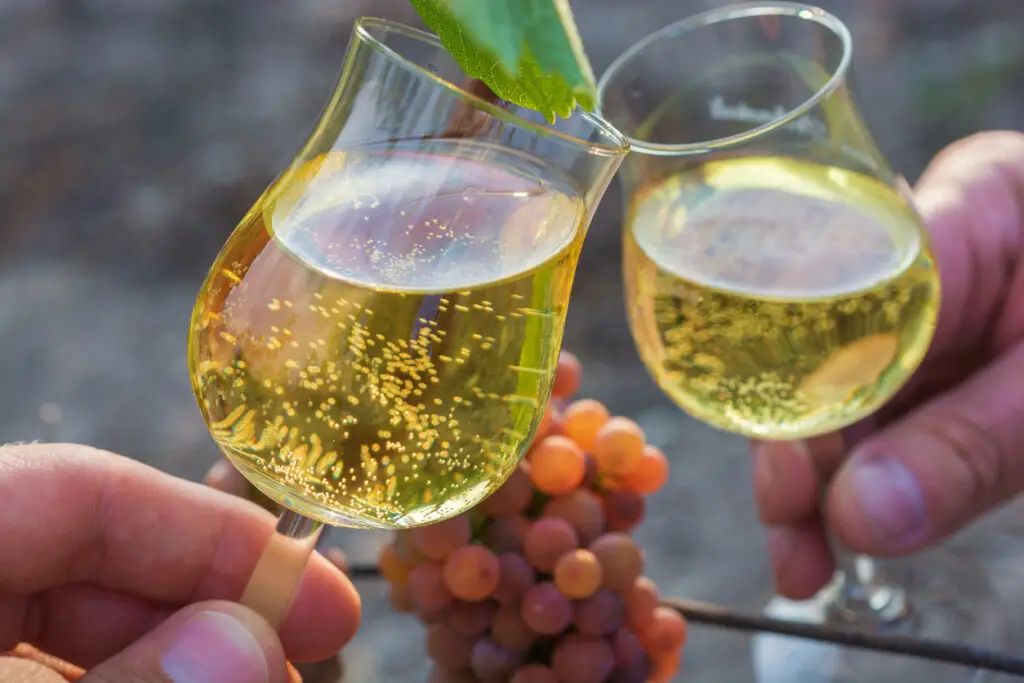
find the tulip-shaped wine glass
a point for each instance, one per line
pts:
(375, 344)
(780, 284)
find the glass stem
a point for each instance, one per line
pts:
(863, 595)
(275, 580)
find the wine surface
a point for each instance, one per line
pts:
(376, 342)
(778, 298)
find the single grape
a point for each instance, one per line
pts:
(509, 630)
(448, 648)
(547, 540)
(546, 426)
(582, 420)
(534, 673)
(650, 474)
(582, 659)
(600, 614)
(512, 497)
(546, 610)
(490, 661)
(627, 648)
(666, 634)
(401, 599)
(583, 509)
(621, 560)
(641, 601)
(557, 465)
(439, 675)
(394, 570)
(619, 446)
(472, 573)
(506, 533)
(578, 574)
(405, 549)
(637, 672)
(428, 589)
(430, 615)
(515, 578)
(665, 668)
(568, 374)
(471, 618)
(437, 541)
(623, 510)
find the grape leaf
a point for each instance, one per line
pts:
(527, 51)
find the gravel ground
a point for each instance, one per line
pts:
(137, 132)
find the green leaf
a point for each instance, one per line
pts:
(527, 51)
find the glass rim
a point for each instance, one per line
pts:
(720, 15)
(363, 29)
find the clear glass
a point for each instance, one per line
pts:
(780, 285)
(375, 344)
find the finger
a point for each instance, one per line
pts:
(801, 561)
(90, 517)
(214, 642)
(224, 477)
(969, 199)
(788, 477)
(924, 477)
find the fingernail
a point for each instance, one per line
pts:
(891, 501)
(213, 647)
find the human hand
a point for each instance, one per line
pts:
(126, 571)
(951, 445)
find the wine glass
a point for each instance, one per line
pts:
(375, 344)
(780, 284)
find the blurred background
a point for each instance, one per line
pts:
(134, 134)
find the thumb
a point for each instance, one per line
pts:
(211, 642)
(927, 475)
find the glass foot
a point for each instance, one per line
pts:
(948, 599)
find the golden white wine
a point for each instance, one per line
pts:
(376, 342)
(778, 298)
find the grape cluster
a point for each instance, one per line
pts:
(542, 583)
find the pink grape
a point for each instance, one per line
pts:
(623, 510)
(437, 541)
(546, 610)
(637, 672)
(582, 509)
(666, 633)
(449, 649)
(641, 601)
(511, 498)
(510, 631)
(405, 548)
(582, 659)
(401, 598)
(534, 673)
(490, 661)
(547, 540)
(471, 618)
(472, 573)
(627, 648)
(506, 532)
(516, 577)
(621, 560)
(428, 589)
(600, 614)
(439, 675)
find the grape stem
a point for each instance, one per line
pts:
(907, 645)
(275, 580)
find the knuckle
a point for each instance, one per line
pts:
(976, 449)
